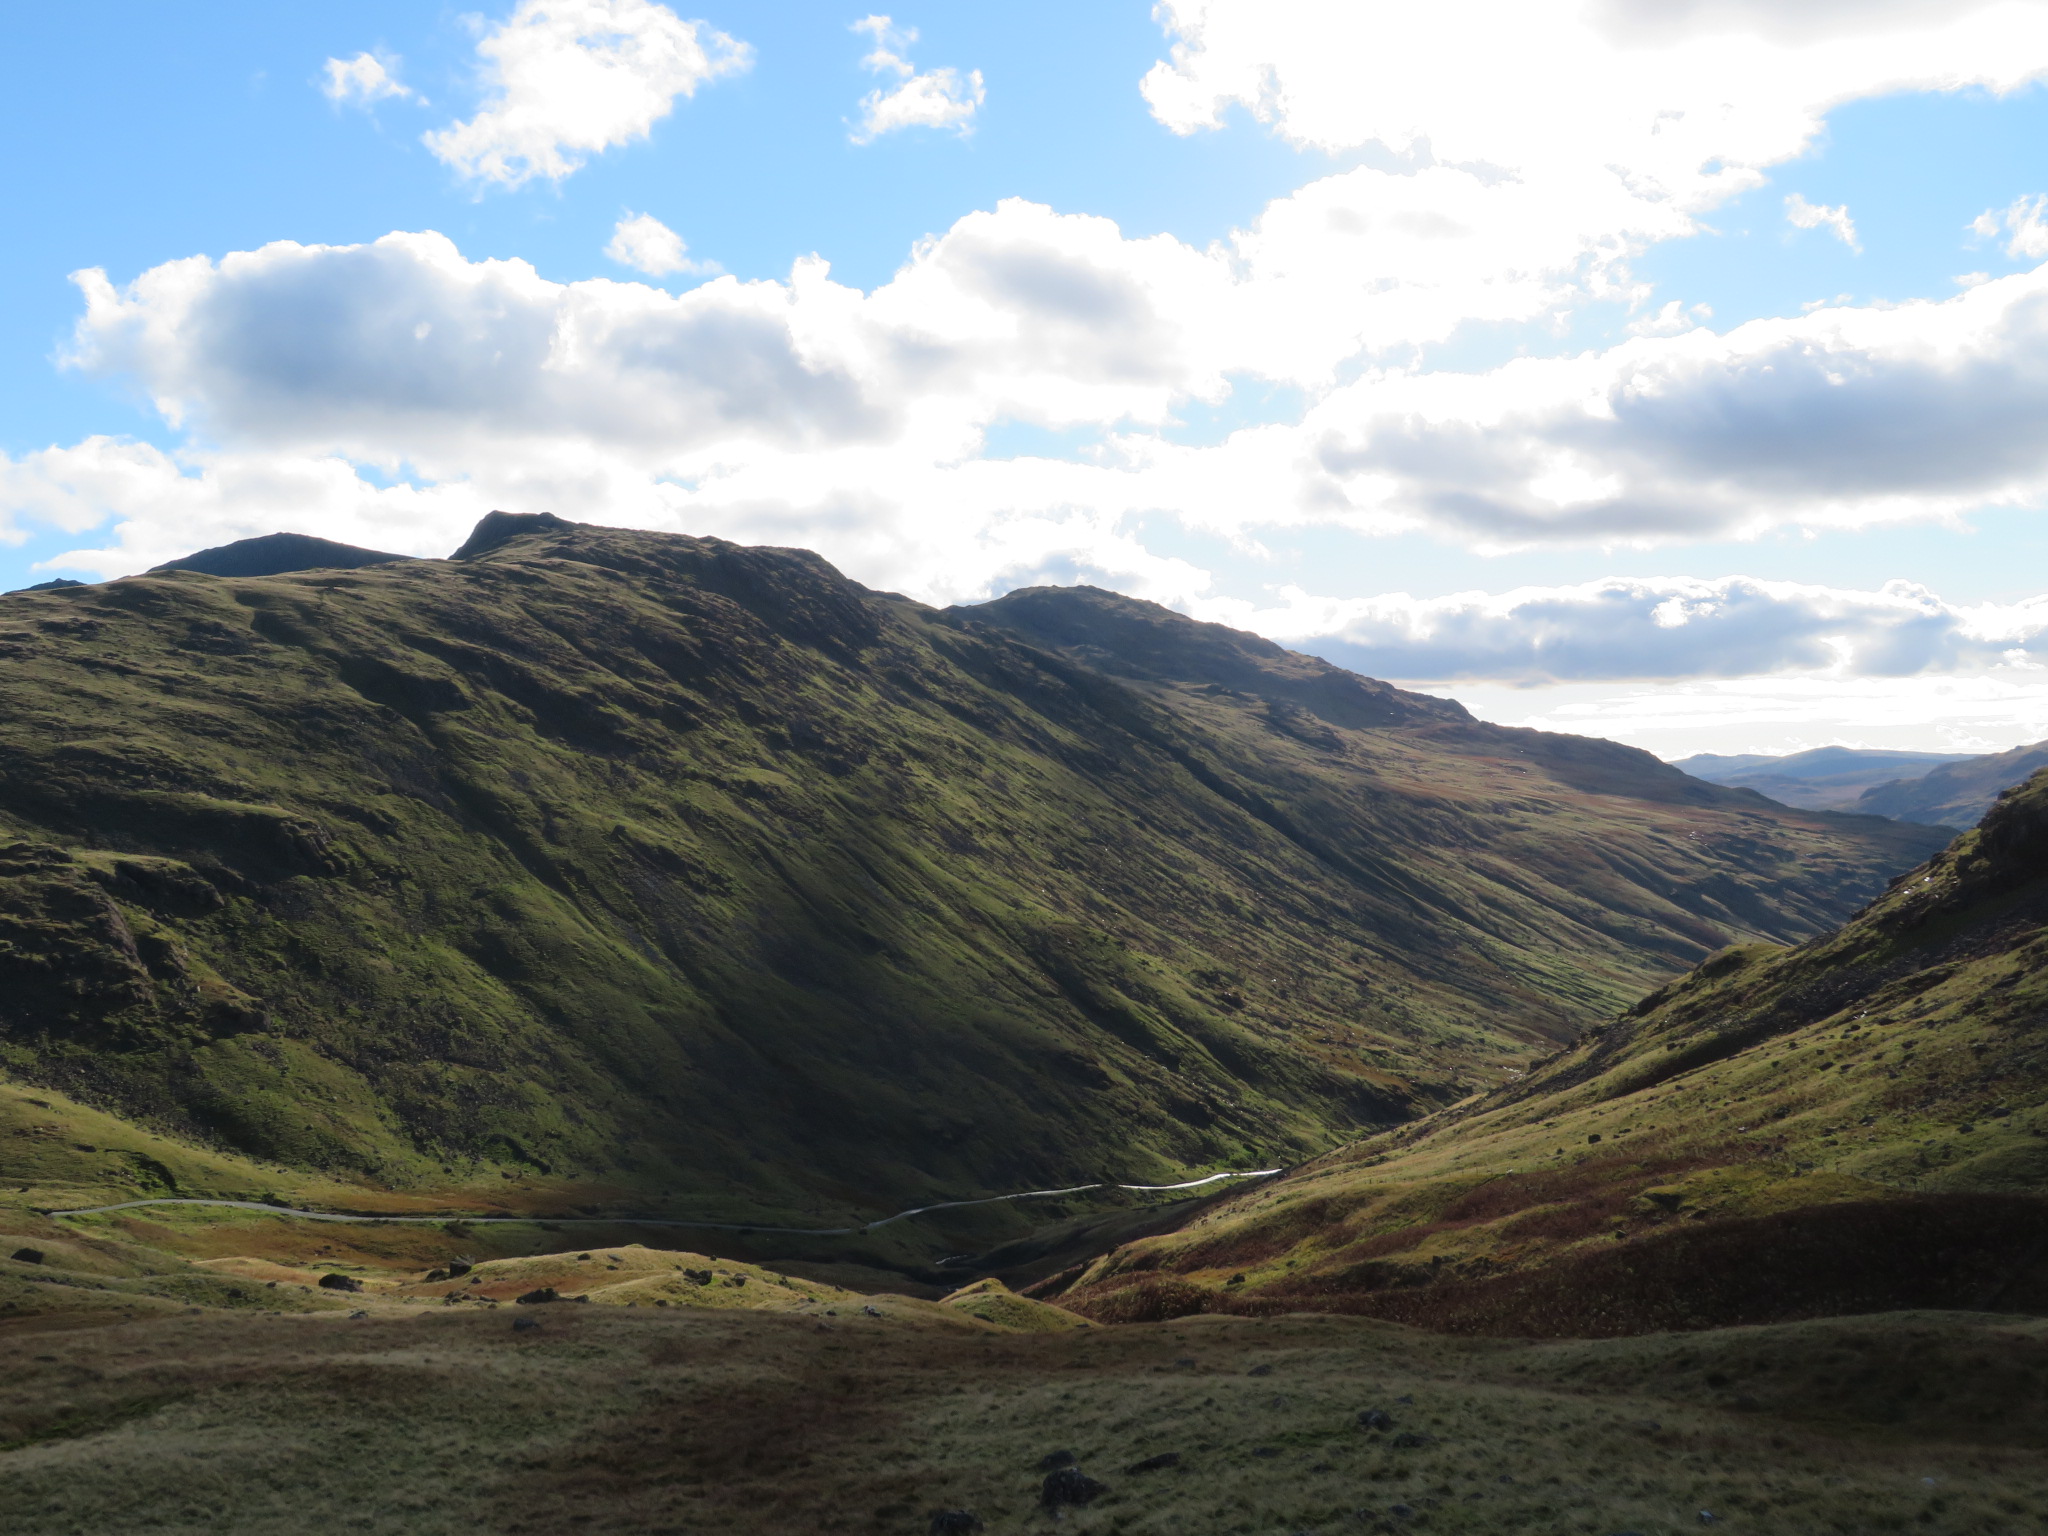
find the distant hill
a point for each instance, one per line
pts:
(277, 554)
(701, 877)
(1824, 779)
(1955, 794)
(1855, 1124)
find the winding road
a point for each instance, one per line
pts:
(663, 1221)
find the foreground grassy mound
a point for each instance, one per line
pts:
(658, 872)
(439, 1421)
(1856, 1124)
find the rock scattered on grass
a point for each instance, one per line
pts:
(332, 1282)
(1157, 1463)
(546, 1293)
(1069, 1485)
(1376, 1419)
(1260, 1370)
(948, 1522)
(525, 1324)
(1052, 1461)
(28, 1255)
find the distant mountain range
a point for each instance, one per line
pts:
(663, 869)
(1824, 779)
(1934, 788)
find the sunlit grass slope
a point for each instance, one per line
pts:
(625, 869)
(1855, 1124)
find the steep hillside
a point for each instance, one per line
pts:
(1824, 779)
(1956, 794)
(1856, 1124)
(703, 874)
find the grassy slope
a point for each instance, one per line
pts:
(626, 868)
(435, 1421)
(1854, 1124)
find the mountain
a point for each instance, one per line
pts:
(1955, 794)
(1854, 1124)
(1824, 779)
(278, 554)
(649, 870)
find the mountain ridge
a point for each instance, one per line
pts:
(663, 863)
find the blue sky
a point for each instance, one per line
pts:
(1673, 381)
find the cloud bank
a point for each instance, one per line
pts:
(1621, 629)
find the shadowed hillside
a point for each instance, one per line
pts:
(698, 874)
(1857, 1124)
(1955, 794)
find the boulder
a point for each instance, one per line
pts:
(331, 1282)
(1069, 1485)
(28, 1256)
(535, 1298)
(1052, 1461)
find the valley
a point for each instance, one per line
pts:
(617, 941)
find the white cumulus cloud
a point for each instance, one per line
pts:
(2024, 222)
(571, 78)
(644, 243)
(1801, 214)
(938, 98)
(363, 81)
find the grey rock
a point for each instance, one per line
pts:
(1069, 1485)
(1260, 1370)
(340, 1283)
(1052, 1461)
(525, 1324)
(28, 1255)
(1376, 1418)
(546, 1293)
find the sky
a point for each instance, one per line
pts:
(1668, 370)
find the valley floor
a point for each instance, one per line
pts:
(417, 1420)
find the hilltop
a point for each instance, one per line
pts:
(615, 870)
(1855, 1124)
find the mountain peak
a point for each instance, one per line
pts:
(277, 554)
(497, 529)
